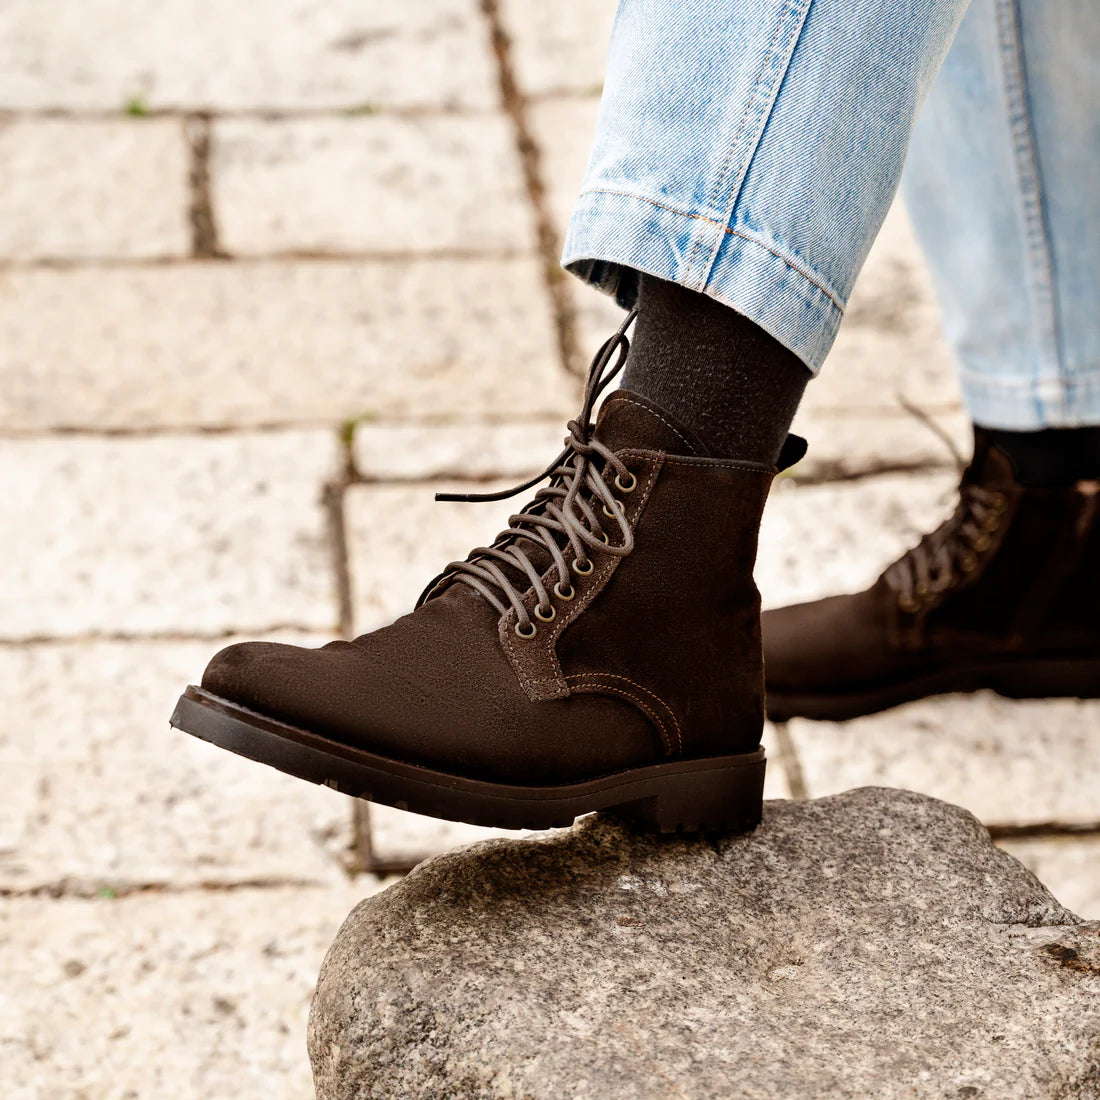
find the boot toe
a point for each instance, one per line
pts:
(258, 675)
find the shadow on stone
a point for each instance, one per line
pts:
(873, 943)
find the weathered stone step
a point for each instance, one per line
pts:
(873, 943)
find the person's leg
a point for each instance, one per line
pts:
(747, 152)
(1003, 188)
(604, 652)
(1001, 184)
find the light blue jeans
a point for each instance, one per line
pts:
(750, 149)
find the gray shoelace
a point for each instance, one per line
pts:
(569, 512)
(936, 563)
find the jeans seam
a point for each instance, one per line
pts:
(1032, 208)
(1029, 383)
(763, 111)
(804, 270)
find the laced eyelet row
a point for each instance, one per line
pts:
(968, 559)
(582, 567)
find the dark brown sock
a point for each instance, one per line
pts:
(718, 372)
(1050, 456)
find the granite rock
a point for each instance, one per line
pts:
(873, 943)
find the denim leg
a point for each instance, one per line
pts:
(750, 149)
(1003, 185)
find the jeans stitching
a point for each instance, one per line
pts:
(737, 137)
(772, 85)
(1039, 268)
(798, 269)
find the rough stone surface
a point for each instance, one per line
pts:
(1069, 865)
(270, 55)
(106, 795)
(381, 184)
(247, 344)
(872, 944)
(168, 534)
(93, 189)
(188, 996)
(1008, 762)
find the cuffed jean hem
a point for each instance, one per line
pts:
(613, 234)
(1028, 404)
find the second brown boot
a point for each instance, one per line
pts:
(603, 653)
(1005, 595)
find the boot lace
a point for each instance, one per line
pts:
(941, 559)
(571, 511)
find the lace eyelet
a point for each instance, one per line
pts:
(909, 605)
(525, 633)
(981, 543)
(629, 487)
(564, 595)
(546, 618)
(606, 540)
(992, 521)
(583, 572)
(609, 513)
(969, 562)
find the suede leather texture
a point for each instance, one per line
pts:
(1036, 590)
(662, 661)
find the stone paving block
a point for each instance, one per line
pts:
(399, 537)
(256, 343)
(853, 446)
(177, 996)
(381, 184)
(1008, 762)
(93, 189)
(1068, 865)
(109, 796)
(179, 534)
(454, 451)
(819, 539)
(251, 55)
(559, 47)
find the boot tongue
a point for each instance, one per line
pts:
(629, 420)
(990, 465)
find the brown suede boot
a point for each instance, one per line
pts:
(1004, 595)
(603, 653)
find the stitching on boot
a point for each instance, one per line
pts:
(600, 676)
(671, 427)
(553, 685)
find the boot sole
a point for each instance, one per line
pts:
(1014, 678)
(716, 793)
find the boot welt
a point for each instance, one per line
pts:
(1015, 677)
(714, 793)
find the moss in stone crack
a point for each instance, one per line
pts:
(136, 106)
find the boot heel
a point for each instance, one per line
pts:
(726, 797)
